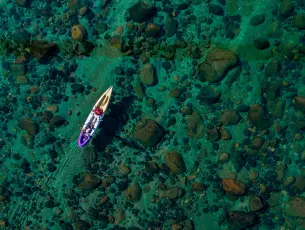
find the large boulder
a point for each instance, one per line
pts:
(241, 220)
(300, 103)
(195, 125)
(133, 192)
(21, 36)
(147, 74)
(299, 21)
(89, 182)
(29, 125)
(286, 8)
(57, 121)
(174, 162)
(141, 12)
(230, 117)
(258, 116)
(234, 187)
(148, 132)
(208, 95)
(295, 207)
(43, 51)
(217, 64)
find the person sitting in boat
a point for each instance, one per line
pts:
(98, 111)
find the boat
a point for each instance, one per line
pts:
(95, 118)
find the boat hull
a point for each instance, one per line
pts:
(94, 120)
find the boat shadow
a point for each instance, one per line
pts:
(112, 123)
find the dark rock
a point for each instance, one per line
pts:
(174, 162)
(18, 69)
(256, 203)
(81, 225)
(273, 68)
(213, 134)
(57, 121)
(286, 8)
(238, 220)
(43, 51)
(101, 27)
(84, 48)
(195, 125)
(148, 132)
(208, 95)
(66, 226)
(21, 36)
(80, 88)
(141, 12)
(230, 117)
(257, 20)
(118, 70)
(170, 27)
(299, 21)
(29, 125)
(47, 139)
(300, 103)
(46, 116)
(238, 160)
(89, 182)
(133, 193)
(152, 30)
(217, 64)
(261, 43)
(216, 10)
(147, 74)
(6, 65)
(258, 116)
(23, 3)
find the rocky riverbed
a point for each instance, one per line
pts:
(204, 129)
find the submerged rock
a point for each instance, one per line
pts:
(29, 125)
(257, 20)
(133, 192)
(21, 36)
(287, 7)
(57, 121)
(261, 43)
(43, 51)
(81, 225)
(230, 117)
(170, 27)
(256, 203)
(234, 187)
(241, 220)
(148, 132)
(141, 12)
(216, 9)
(299, 21)
(295, 207)
(147, 74)
(217, 64)
(300, 103)
(258, 116)
(89, 182)
(174, 193)
(208, 95)
(174, 162)
(195, 125)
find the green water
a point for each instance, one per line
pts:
(204, 129)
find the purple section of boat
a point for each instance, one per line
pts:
(83, 139)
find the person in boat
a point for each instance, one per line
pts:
(98, 111)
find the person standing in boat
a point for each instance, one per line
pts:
(97, 111)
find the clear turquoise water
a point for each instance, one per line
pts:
(204, 129)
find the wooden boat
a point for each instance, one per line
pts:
(95, 118)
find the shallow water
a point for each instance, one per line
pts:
(204, 129)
